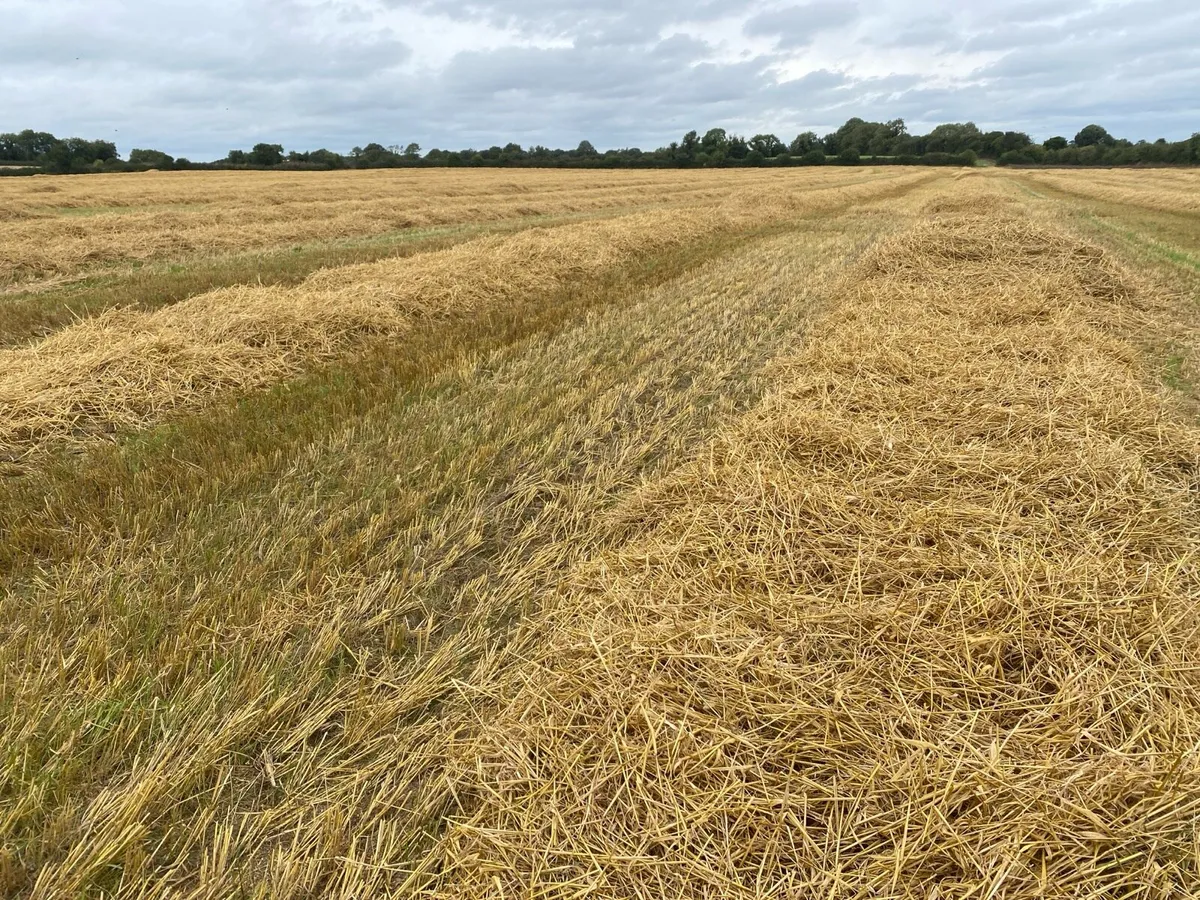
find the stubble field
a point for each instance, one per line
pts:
(555, 534)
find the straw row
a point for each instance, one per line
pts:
(924, 625)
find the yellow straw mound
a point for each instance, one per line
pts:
(924, 625)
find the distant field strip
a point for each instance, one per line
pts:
(62, 226)
(1162, 190)
(922, 625)
(128, 367)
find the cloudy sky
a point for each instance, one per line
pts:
(198, 77)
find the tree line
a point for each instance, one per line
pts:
(856, 142)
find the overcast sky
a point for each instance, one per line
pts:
(199, 77)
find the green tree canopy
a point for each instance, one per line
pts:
(1093, 135)
(768, 145)
(155, 158)
(954, 137)
(715, 142)
(266, 154)
(803, 143)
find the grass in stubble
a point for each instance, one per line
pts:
(223, 443)
(1141, 218)
(254, 611)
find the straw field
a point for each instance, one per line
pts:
(1165, 190)
(837, 542)
(66, 226)
(127, 366)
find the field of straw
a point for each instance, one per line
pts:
(68, 226)
(126, 366)
(826, 538)
(1165, 190)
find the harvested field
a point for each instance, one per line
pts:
(831, 543)
(128, 367)
(64, 226)
(922, 625)
(1165, 190)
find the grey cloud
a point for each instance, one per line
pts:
(1117, 24)
(197, 77)
(650, 78)
(579, 17)
(931, 35)
(796, 26)
(260, 47)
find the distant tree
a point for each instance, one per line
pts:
(266, 154)
(738, 148)
(992, 143)
(1055, 143)
(767, 144)
(327, 158)
(28, 146)
(585, 150)
(715, 143)
(754, 157)
(154, 158)
(1014, 158)
(883, 140)
(1014, 140)
(413, 150)
(848, 157)
(690, 146)
(954, 137)
(74, 154)
(237, 157)
(871, 138)
(376, 156)
(512, 152)
(803, 143)
(1093, 135)
(814, 157)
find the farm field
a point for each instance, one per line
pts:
(76, 246)
(552, 534)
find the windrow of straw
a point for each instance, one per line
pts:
(128, 367)
(923, 625)
(64, 226)
(240, 684)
